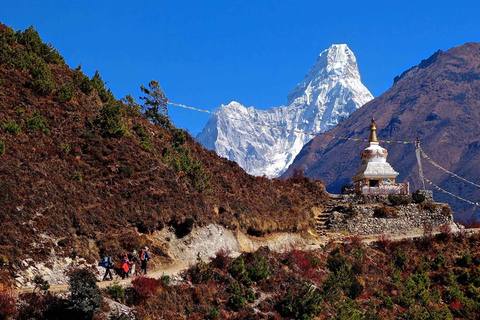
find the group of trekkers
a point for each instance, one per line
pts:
(127, 264)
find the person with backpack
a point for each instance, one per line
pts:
(124, 266)
(144, 257)
(133, 256)
(108, 264)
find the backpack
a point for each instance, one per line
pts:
(104, 262)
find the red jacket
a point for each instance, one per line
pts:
(124, 264)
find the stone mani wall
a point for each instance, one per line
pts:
(372, 216)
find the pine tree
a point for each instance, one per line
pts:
(155, 106)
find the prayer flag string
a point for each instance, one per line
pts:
(436, 165)
(449, 193)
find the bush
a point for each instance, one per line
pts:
(301, 301)
(65, 147)
(250, 296)
(438, 262)
(37, 123)
(82, 81)
(399, 199)
(43, 87)
(429, 206)
(132, 108)
(7, 304)
(347, 310)
(201, 272)
(46, 306)
(2, 148)
(342, 277)
(145, 142)
(415, 289)
(257, 267)
(12, 128)
(78, 176)
(110, 120)
(40, 283)
(32, 41)
(65, 93)
(385, 212)
(179, 138)
(236, 302)
(98, 84)
(165, 278)
(144, 288)
(41, 75)
(116, 292)
(86, 297)
(180, 160)
(465, 261)
(418, 197)
(222, 259)
(387, 301)
(199, 177)
(214, 313)
(237, 268)
(336, 260)
(399, 259)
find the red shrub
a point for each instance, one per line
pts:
(146, 287)
(354, 242)
(456, 305)
(304, 260)
(7, 303)
(384, 243)
(222, 259)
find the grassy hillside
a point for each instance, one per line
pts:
(434, 278)
(429, 278)
(81, 171)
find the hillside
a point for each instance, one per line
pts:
(437, 101)
(82, 172)
(433, 277)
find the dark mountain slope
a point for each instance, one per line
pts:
(437, 101)
(82, 172)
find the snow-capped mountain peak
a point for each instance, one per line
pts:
(329, 92)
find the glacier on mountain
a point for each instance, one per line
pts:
(330, 91)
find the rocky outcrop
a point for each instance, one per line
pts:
(362, 215)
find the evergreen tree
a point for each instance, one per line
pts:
(155, 106)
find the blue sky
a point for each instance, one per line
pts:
(205, 53)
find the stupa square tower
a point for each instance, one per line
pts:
(376, 175)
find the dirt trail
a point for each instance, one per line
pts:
(181, 265)
(171, 270)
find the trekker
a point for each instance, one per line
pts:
(144, 257)
(133, 261)
(108, 263)
(124, 266)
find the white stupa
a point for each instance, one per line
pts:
(376, 175)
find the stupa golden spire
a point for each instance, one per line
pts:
(373, 132)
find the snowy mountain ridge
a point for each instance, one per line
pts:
(330, 91)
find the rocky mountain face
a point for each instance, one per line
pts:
(330, 92)
(437, 101)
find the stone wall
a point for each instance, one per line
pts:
(361, 216)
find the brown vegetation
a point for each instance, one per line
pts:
(434, 277)
(81, 171)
